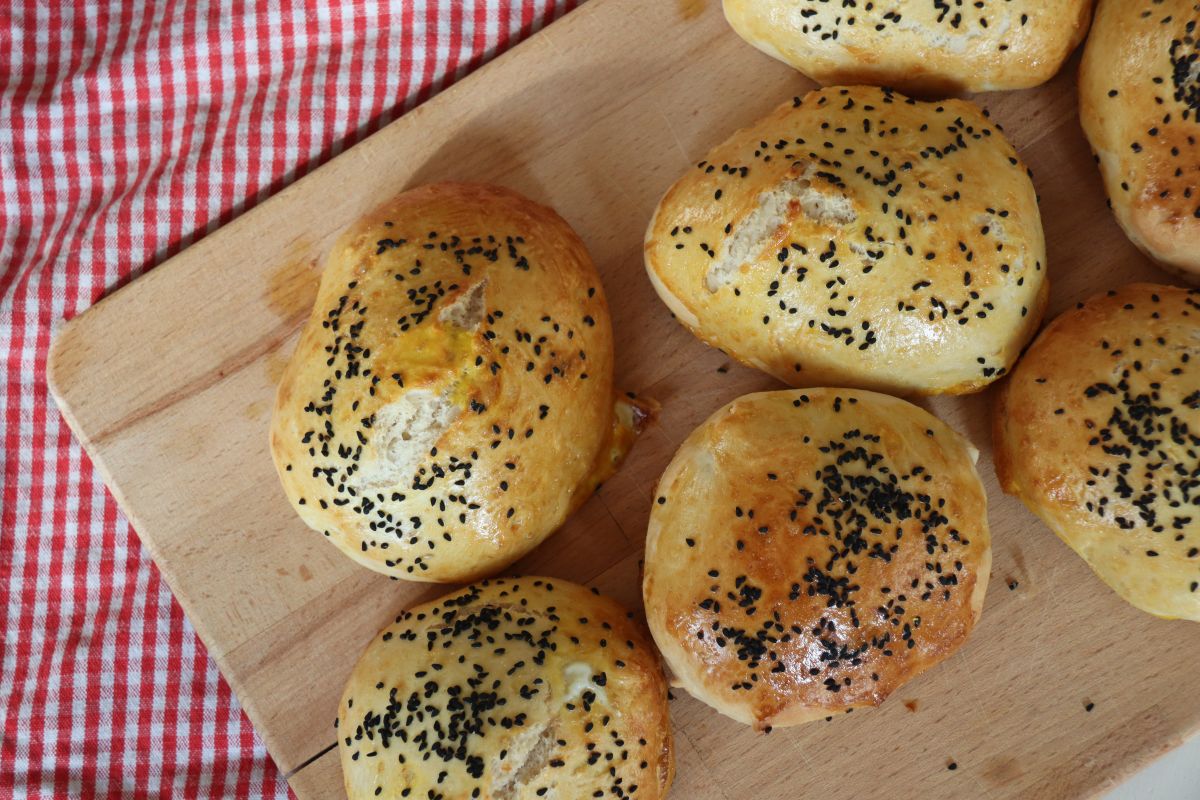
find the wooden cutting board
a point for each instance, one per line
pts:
(169, 384)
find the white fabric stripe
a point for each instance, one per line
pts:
(171, 64)
(316, 107)
(145, 198)
(139, 196)
(25, 409)
(366, 75)
(57, 640)
(209, 727)
(95, 231)
(418, 37)
(441, 48)
(194, 147)
(460, 52)
(186, 675)
(66, 226)
(132, 706)
(55, 111)
(83, 560)
(220, 106)
(493, 28)
(293, 119)
(132, 192)
(346, 76)
(274, 87)
(133, 655)
(8, 234)
(72, 557)
(93, 226)
(391, 65)
(242, 28)
(28, 112)
(106, 735)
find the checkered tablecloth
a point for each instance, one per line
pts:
(128, 130)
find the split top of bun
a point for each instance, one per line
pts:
(857, 237)
(450, 400)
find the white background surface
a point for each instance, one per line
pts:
(1176, 776)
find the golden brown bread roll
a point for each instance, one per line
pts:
(930, 46)
(858, 238)
(512, 689)
(450, 400)
(1098, 433)
(811, 551)
(1139, 94)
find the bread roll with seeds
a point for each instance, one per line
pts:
(1139, 94)
(1098, 433)
(450, 401)
(512, 689)
(858, 238)
(811, 551)
(929, 46)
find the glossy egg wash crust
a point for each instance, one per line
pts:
(450, 400)
(811, 551)
(1098, 432)
(942, 46)
(1139, 100)
(513, 689)
(858, 237)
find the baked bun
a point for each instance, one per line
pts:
(1098, 432)
(858, 238)
(1139, 94)
(945, 47)
(810, 552)
(450, 401)
(512, 689)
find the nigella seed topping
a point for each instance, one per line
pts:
(409, 341)
(1111, 383)
(830, 245)
(817, 573)
(503, 684)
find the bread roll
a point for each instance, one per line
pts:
(513, 689)
(929, 46)
(1098, 432)
(1139, 94)
(858, 238)
(450, 400)
(810, 552)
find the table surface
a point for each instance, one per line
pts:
(1176, 776)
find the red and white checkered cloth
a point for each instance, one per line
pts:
(127, 131)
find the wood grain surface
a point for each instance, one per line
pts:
(169, 384)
